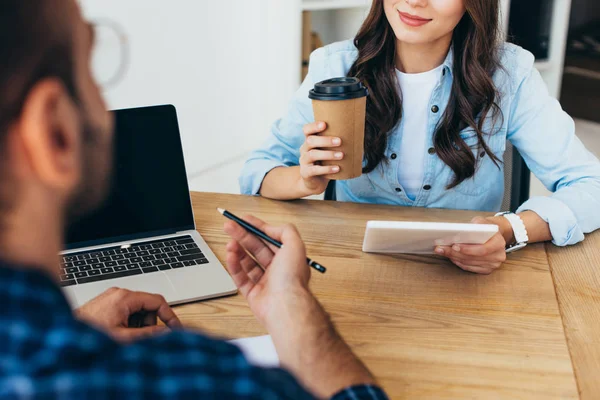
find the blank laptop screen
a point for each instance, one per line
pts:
(149, 195)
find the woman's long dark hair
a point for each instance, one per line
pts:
(473, 97)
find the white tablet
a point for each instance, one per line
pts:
(422, 237)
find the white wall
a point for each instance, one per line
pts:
(230, 68)
(218, 62)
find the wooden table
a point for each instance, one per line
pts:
(424, 327)
(576, 273)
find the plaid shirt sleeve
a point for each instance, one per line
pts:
(362, 392)
(46, 354)
(204, 367)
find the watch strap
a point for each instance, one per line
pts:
(515, 247)
(519, 230)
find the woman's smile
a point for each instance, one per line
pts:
(413, 20)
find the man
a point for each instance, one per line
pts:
(55, 146)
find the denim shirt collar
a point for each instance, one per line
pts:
(449, 61)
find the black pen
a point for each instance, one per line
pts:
(255, 231)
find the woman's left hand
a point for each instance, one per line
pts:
(478, 258)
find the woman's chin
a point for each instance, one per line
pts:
(412, 36)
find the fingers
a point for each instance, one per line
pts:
(255, 273)
(309, 171)
(287, 234)
(480, 221)
(150, 319)
(290, 237)
(249, 265)
(309, 163)
(262, 225)
(153, 303)
(314, 156)
(141, 319)
(315, 149)
(314, 128)
(322, 142)
(250, 242)
(470, 250)
(480, 259)
(474, 269)
(488, 259)
(238, 273)
(270, 230)
(245, 271)
(492, 251)
(475, 254)
(484, 252)
(128, 335)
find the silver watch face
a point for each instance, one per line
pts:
(516, 247)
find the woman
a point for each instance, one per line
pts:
(445, 96)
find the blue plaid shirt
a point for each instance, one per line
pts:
(45, 353)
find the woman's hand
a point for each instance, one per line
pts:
(479, 258)
(312, 153)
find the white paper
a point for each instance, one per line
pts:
(260, 351)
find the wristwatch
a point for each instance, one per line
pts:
(519, 231)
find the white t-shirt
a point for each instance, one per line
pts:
(416, 92)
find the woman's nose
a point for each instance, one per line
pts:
(417, 3)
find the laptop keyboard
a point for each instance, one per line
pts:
(140, 258)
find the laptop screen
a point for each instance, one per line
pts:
(150, 194)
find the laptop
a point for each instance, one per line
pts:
(143, 238)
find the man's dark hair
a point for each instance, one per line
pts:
(35, 43)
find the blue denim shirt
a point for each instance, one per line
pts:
(533, 122)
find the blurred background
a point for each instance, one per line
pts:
(230, 67)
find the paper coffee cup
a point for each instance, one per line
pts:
(342, 104)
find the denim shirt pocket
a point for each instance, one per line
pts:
(486, 170)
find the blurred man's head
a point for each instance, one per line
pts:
(55, 132)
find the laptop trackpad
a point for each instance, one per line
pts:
(156, 283)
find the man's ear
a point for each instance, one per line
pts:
(50, 132)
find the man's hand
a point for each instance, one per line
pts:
(270, 273)
(127, 315)
(275, 284)
(481, 258)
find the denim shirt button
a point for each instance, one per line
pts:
(394, 156)
(427, 187)
(431, 151)
(435, 109)
(398, 190)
